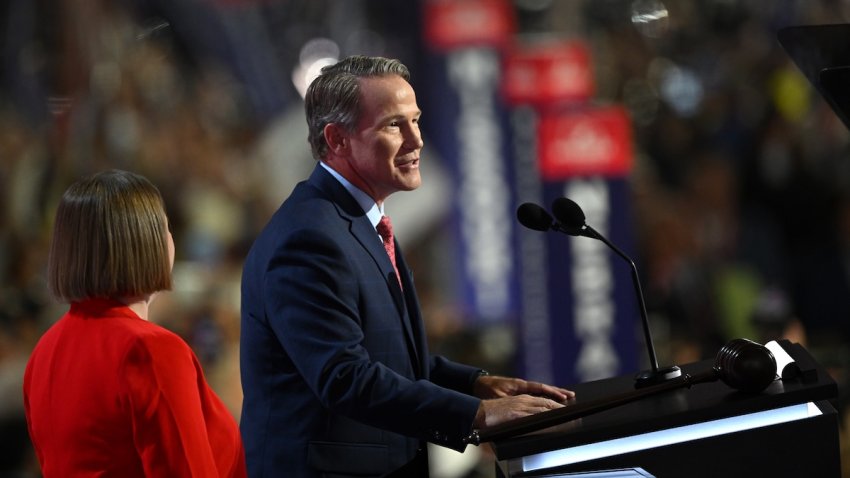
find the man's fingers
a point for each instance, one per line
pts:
(560, 393)
(557, 393)
(540, 404)
(551, 404)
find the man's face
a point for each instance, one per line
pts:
(385, 144)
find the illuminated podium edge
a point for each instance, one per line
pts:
(704, 416)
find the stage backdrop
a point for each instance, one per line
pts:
(514, 123)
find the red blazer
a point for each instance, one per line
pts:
(109, 394)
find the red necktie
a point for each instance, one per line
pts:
(385, 229)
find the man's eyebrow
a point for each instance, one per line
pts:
(417, 114)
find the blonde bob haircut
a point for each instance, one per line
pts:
(109, 239)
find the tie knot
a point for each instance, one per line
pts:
(385, 229)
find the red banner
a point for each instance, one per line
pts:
(586, 142)
(451, 24)
(554, 72)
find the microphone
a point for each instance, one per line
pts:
(741, 364)
(745, 365)
(535, 217)
(572, 217)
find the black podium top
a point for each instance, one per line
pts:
(672, 408)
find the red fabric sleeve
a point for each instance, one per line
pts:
(180, 427)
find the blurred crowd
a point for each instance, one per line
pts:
(741, 186)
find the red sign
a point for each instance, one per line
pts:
(586, 142)
(553, 72)
(451, 24)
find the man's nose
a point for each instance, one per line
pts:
(414, 139)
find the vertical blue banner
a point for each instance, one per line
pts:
(580, 319)
(467, 124)
(593, 307)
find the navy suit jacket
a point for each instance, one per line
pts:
(336, 374)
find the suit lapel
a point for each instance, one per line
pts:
(364, 233)
(415, 321)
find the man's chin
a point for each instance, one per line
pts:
(409, 182)
(414, 185)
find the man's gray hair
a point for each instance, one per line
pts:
(334, 96)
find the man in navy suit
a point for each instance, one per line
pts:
(336, 374)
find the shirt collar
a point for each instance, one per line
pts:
(373, 211)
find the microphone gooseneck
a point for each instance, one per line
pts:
(572, 218)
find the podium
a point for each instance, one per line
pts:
(708, 430)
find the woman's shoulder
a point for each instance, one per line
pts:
(148, 341)
(151, 333)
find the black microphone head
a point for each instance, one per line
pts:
(745, 365)
(569, 214)
(534, 217)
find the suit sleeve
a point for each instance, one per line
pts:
(316, 296)
(180, 427)
(453, 375)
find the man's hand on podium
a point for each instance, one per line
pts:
(505, 398)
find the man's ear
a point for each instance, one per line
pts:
(336, 137)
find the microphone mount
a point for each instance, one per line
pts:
(570, 214)
(656, 374)
(571, 220)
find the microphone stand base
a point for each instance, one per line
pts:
(654, 377)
